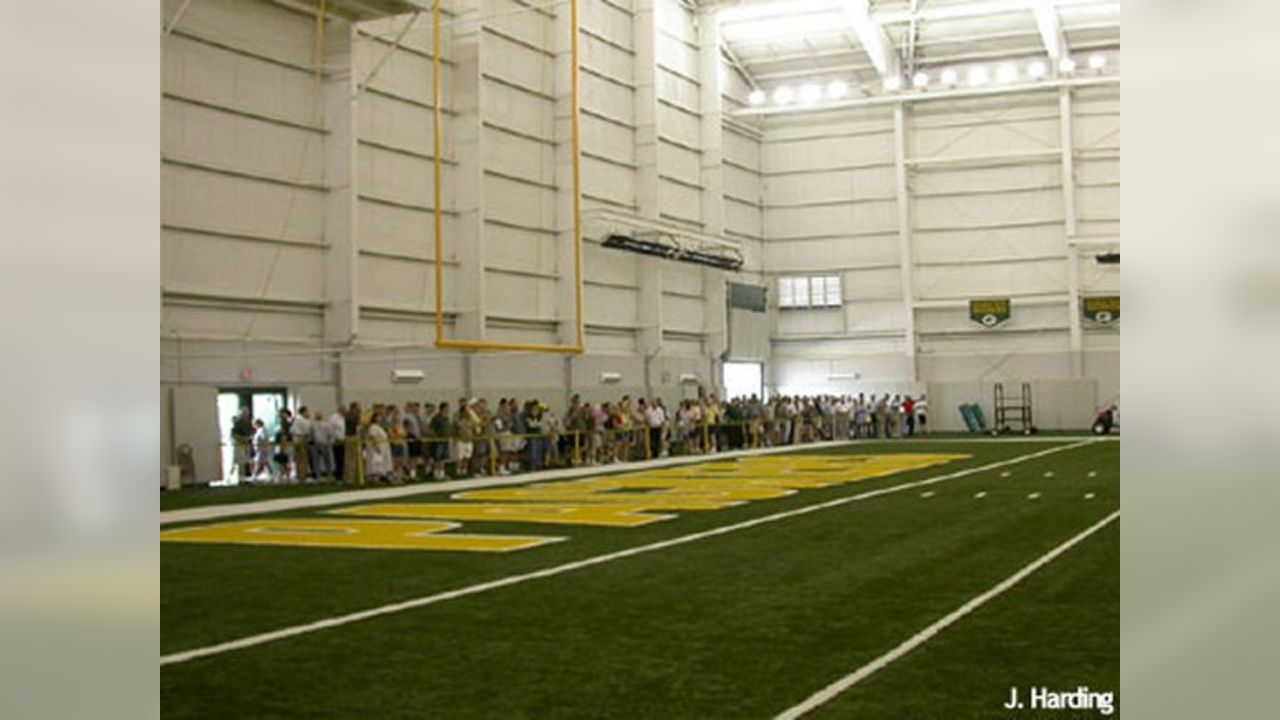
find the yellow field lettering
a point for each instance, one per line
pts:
(352, 533)
(595, 514)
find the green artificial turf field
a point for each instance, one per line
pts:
(743, 623)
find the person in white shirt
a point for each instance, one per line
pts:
(377, 450)
(337, 430)
(302, 446)
(655, 416)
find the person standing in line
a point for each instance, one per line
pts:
(321, 446)
(880, 414)
(413, 433)
(284, 445)
(465, 429)
(909, 414)
(377, 450)
(302, 443)
(441, 431)
(922, 414)
(242, 433)
(262, 452)
(655, 418)
(338, 439)
(895, 417)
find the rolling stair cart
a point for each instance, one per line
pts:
(1019, 408)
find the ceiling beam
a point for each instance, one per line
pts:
(980, 8)
(875, 41)
(1046, 14)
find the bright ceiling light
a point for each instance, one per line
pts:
(1097, 62)
(837, 89)
(810, 94)
(978, 76)
(1007, 73)
(920, 80)
(757, 97)
(783, 95)
(1067, 66)
(950, 77)
(893, 83)
(1037, 70)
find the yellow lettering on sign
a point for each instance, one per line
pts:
(352, 533)
(597, 514)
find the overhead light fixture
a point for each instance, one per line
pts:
(1007, 73)
(837, 89)
(978, 76)
(949, 77)
(920, 80)
(757, 97)
(893, 83)
(722, 259)
(810, 94)
(1037, 70)
(1067, 65)
(784, 95)
(1097, 61)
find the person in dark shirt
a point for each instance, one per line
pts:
(242, 443)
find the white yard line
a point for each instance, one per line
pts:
(340, 620)
(828, 693)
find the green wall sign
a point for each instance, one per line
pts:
(989, 313)
(1102, 310)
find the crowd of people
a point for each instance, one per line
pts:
(436, 441)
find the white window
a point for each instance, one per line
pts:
(786, 292)
(819, 291)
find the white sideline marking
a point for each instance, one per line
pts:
(927, 494)
(1093, 473)
(980, 495)
(425, 600)
(1049, 474)
(1089, 496)
(826, 694)
(1033, 496)
(1006, 473)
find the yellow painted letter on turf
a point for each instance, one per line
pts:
(596, 514)
(352, 533)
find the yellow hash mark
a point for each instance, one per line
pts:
(352, 533)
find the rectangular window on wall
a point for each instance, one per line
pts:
(821, 291)
(802, 291)
(786, 292)
(834, 297)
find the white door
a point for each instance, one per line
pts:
(743, 379)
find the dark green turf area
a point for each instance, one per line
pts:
(235, 495)
(740, 625)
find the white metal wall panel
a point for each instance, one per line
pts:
(225, 78)
(231, 141)
(398, 284)
(1002, 280)
(230, 204)
(236, 267)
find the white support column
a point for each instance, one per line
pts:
(566, 305)
(905, 250)
(646, 108)
(711, 136)
(463, 142)
(338, 104)
(1067, 143)
(649, 270)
